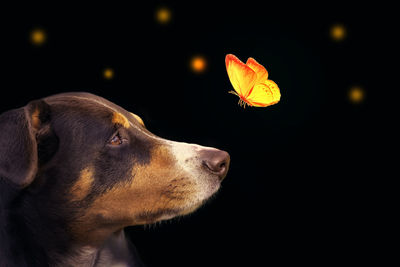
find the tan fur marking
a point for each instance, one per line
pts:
(82, 186)
(35, 119)
(138, 118)
(155, 187)
(120, 119)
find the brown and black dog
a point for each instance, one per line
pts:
(75, 169)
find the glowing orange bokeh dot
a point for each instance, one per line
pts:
(108, 73)
(163, 15)
(198, 64)
(356, 95)
(338, 32)
(38, 37)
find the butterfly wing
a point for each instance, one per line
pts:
(264, 94)
(241, 76)
(274, 90)
(262, 73)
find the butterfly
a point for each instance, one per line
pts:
(251, 83)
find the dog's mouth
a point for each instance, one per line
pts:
(208, 192)
(180, 202)
(167, 214)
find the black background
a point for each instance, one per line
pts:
(298, 190)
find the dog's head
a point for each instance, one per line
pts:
(96, 166)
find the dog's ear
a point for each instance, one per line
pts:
(18, 145)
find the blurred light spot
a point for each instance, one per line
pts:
(38, 37)
(198, 64)
(108, 73)
(338, 32)
(163, 15)
(356, 94)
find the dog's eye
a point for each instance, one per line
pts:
(116, 140)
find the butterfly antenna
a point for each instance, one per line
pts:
(233, 92)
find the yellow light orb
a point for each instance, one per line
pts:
(38, 37)
(198, 64)
(108, 73)
(356, 95)
(163, 15)
(338, 32)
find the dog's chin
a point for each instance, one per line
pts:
(208, 190)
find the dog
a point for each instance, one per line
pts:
(76, 169)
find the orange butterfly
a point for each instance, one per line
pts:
(251, 83)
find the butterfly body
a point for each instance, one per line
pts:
(251, 83)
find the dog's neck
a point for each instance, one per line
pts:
(115, 252)
(55, 247)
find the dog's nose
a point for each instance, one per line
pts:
(216, 161)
